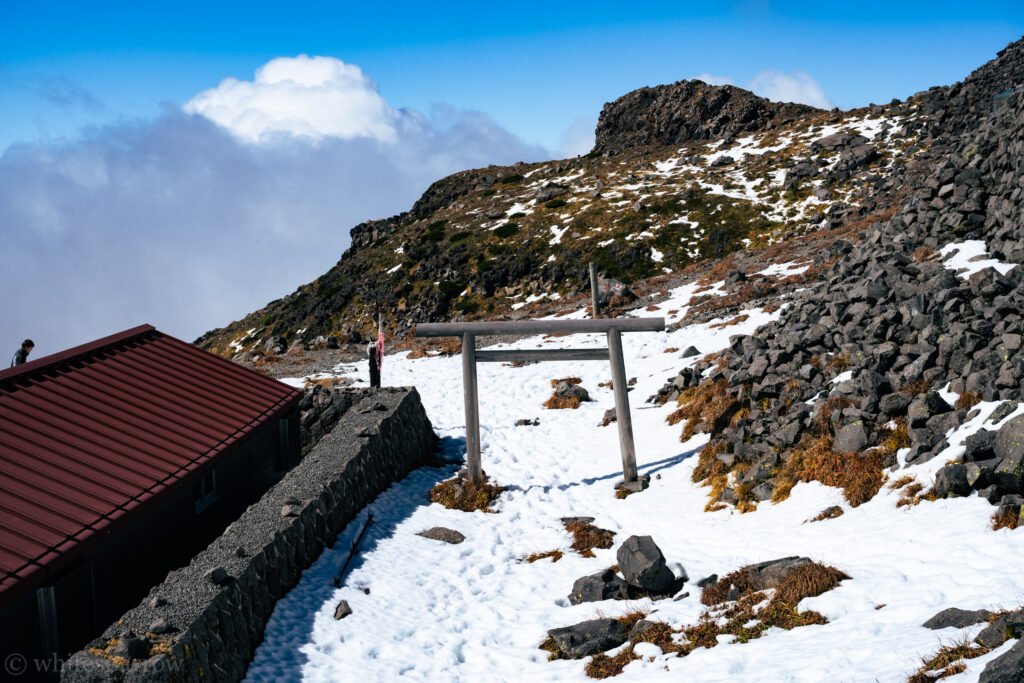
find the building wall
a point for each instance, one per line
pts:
(118, 572)
(216, 608)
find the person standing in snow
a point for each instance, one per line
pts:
(375, 353)
(21, 355)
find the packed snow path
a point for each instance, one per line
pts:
(475, 612)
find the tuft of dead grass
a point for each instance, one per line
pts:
(729, 323)
(808, 581)
(555, 556)
(586, 537)
(948, 661)
(568, 380)
(560, 403)
(828, 513)
(707, 407)
(918, 386)
(603, 666)
(967, 400)
(462, 494)
(1008, 519)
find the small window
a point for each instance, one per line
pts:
(206, 491)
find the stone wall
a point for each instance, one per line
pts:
(205, 620)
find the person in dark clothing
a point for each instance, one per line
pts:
(21, 355)
(373, 351)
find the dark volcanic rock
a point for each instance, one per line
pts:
(1007, 667)
(440, 533)
(687, 110)
(589, 637)
(954, 617)
(605, 585)
(643, 564)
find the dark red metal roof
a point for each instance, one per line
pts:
(91, 436)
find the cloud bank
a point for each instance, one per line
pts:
(209, 211)
(797, 86)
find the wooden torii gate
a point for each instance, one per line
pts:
(613, 327)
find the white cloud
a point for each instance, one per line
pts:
(797, 86)
(578, 138)
(713, 80)
(183, 222)
(311, 97)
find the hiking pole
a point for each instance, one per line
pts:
(352, 551)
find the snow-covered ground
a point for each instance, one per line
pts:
(427, 610)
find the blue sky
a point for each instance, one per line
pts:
(534, 67)
(182, 164)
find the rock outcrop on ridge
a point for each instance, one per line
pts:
(688, 110)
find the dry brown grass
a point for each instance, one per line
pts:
(922, 254)
(900, 483)
(893, 439)
(859, 476)
(705, 304)
(671, 349)
(909, 496)
(718, 592)
(440, 347)
(729, 323)
(707, 407)
(828, 513)
(967, 400)
(462, 494)
(1005, 520)
(586, 537)
(603, 666)
(555, 556)
(326, 382)
(560, 403)
(918, 386)
(570, 380)
(808, 581)
(838, 361)
(948, 661)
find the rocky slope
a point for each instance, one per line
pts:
(510, 241)
(893, 346)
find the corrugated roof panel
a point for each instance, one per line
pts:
(91, 436)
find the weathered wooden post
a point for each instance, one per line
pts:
(476, 474)
(594, 312)
(622, 416)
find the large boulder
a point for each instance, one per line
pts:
(606, 585)
(589, 637)
(567, 390)
(643, 565)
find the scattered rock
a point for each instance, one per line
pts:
(342, 610)
(526, 422)
(609, 417)
(440, 533)
(217, 575)
(605, 585)
(159, 625)
(954, 617)
(131, 648)
(589, 637)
